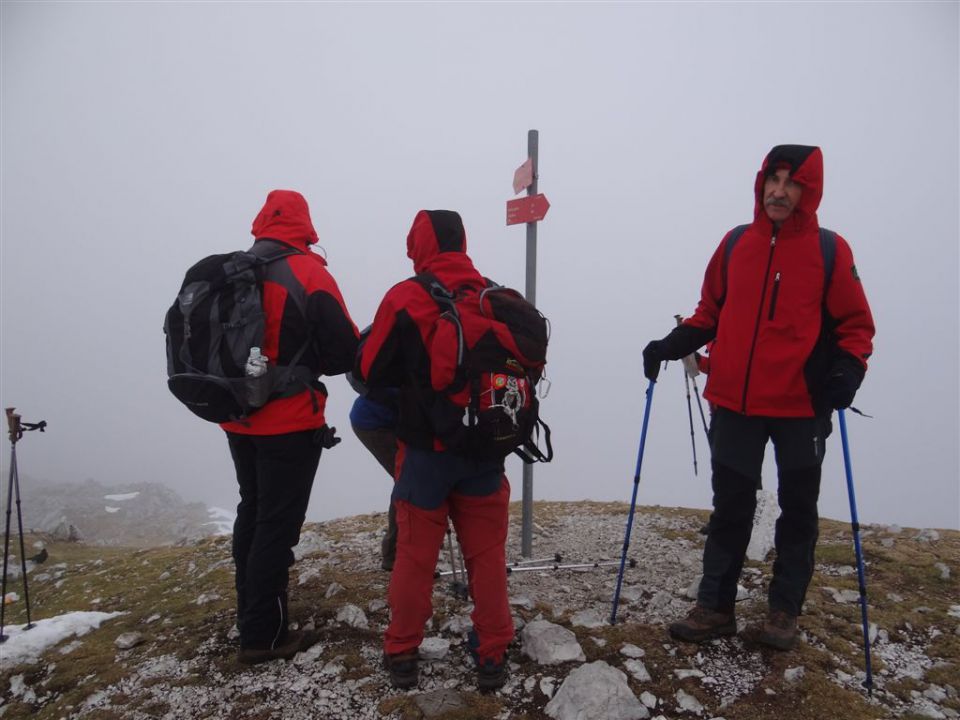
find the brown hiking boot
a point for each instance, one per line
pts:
(702, 624)
(296, 641)
(780, 630)
(403, 668)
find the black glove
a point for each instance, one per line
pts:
(679, 342)
(652, 358)
(844, 380)
(326, 437)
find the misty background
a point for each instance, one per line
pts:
(136, 138)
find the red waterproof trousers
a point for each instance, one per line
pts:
(481, 526)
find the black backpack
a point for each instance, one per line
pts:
(211, 326)
(487, 353)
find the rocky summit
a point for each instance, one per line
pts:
(164, 641)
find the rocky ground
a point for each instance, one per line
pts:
(171, 654)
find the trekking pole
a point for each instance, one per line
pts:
(633, 501)
(16, 430)
(868, 683)
(693, 442)
(511, 569)
(557, 558)
(687, 375)
(459, 586)
(465, 581)
(703, 418)
(572, 566)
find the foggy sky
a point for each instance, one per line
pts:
(140, 137)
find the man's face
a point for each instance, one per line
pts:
(780, 195)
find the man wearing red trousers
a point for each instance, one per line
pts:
(433, 483)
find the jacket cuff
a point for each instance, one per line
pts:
(685, 339)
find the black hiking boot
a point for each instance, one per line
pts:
(296, 641)
(491, 675)
(780, 631)
(403, 668)
(702, 624)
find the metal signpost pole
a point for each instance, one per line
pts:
(526, 539)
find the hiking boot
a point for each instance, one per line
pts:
(296, 641)
(780, 630)
(403, 668)
(702, 624)
(492, 675)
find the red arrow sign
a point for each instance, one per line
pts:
(527, 209)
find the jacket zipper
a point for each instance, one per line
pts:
(756, 329)
(773, 295)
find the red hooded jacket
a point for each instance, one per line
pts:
(317, 312)
(394, 354)
(767, 307)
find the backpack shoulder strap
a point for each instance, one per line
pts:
(828, 249)
(732, 238)
(267, 250)
(440, 293)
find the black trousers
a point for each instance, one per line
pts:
(275, 474)
(737, 444)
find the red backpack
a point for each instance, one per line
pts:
(487, 353)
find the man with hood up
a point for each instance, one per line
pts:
(432, 483)
(790, 345)
(276, 450)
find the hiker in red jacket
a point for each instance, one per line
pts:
(432, 483)
(791, 339)
(276, 450)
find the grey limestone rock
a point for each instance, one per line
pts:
(550, 644)
(353, 616)
(128, 640)
(795, 674)
(688, 703)
(434, 648)
(439, 702)
(587, 619)
(596, 690)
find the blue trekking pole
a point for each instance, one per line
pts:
(633, 502)
(868, 683)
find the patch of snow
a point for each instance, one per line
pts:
(121, 497)
(110, 509)
(25, 646)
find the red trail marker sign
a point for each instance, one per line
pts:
(527, 209)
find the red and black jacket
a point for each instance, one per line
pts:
(394, 354)
(315, 315)
(764, 306)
